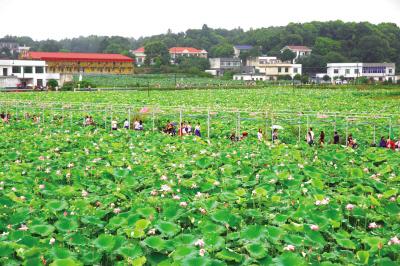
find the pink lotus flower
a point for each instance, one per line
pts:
(152, 231)
(379, 196)
(314, 227)
(392, 199)
(199, 243)
(22, 198)
(165, 188)
(23, 228)
(41, 186)
(65, 213)
(183, 204)
(349, 207)
(373, 225)
(52, 241)
(394, 241)
(117, 210)
(13, 189)
(85, 193)
(203, 211)
(176, 197)
(289, 248)
(153, 193)
(163, 178)
(202, 252)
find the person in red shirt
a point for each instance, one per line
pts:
(390, 144)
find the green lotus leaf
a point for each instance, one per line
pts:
(289, 259)
(66, 224)
(60, 253)
(66, 262)
(155, 242)
(252, 232)
(56, 205)
(363, 256)
(256, 250)
(146, 212)
(42, 229)
(346, 243)
(132, 252)
(105, 242)
(228, 255)
(116, 222)
(182, 252)
(195, 261)
(168, 228)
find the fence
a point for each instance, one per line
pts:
(215, 122)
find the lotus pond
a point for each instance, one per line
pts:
(73, 195)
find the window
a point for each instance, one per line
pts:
(295, 70)
(336, 71)
(28, 70)
(356, 71)
(279, 70)
(347, 71)
(390, 71)
(16, 69)
(286, 69)
(39, 69)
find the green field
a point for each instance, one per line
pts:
(75, 195)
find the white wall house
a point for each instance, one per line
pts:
(29, 73)
(273, 67)
(373, 71)
(250, 77)
(140, 56)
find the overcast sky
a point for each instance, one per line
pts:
(57, 19)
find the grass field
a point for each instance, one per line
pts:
(74, 195)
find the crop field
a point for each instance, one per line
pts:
(88, 195)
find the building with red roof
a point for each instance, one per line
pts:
(174, 53)
(63, 62)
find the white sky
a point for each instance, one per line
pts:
(57, 19)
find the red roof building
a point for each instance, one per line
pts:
(88, 57)
(63, 62)
(299, 50)
(187, 51)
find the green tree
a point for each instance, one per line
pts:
(324, 45)
(326, 78)
(186, 62)
(156, 52)
(222, 50)
(305, 79)
(287, 55)
(52, 83)
(373, 49)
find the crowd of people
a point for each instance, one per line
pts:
(186, 128)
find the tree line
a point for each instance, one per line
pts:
(333, 41)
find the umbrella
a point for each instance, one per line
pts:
(277, 127)
(144, 110)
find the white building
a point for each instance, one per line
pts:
(27, 73)
(237, 49)
(140, 56)
(250, 77)
(273, 68)
(372, 71)
(299, 50)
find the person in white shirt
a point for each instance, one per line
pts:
(114, 125)
(126, 124)
(310, 137)
(260, 134)
(136, 125)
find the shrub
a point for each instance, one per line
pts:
(52, 84)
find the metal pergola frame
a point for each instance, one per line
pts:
(269, 116)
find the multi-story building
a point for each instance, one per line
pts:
(176, 52)
(13, 47)
(220, 65)
(299, 50)
(372, 71)
(237, 49)
(140, 56)
(273, 67)
(25, 73)
(60, 62)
